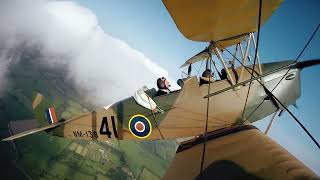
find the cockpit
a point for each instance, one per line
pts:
(229, 65)
(213, 66)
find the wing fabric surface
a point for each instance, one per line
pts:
(239, 152)
(203, 55)
(219, 20)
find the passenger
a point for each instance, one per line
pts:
(163, 86)
(223, 74)
(207, 77)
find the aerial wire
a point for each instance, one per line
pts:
(255, 58)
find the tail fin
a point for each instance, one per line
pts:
(43, 110)
(45, 115)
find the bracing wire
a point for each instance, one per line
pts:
(206, 127)
(295, 118)
(198, 70)
(252, 72)
(311, 37)
(301, 52)
(254, 62)
(304, 48)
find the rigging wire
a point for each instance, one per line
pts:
(208, 100)
(252, 72)
(206, 128)
(215, 67)
(270, 92)
(297, 120)
(304, 48)
(214, 74)
(198, 70)
(301, 52)
(254, 62)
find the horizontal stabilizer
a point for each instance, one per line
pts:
(32, 131)
(36, 130)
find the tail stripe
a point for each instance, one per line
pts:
(54, 117)
(48, 116)
(51, 115)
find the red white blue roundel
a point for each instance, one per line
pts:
(140, 126)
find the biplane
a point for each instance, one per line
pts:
(216, 115)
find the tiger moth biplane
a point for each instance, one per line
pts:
(218, 115)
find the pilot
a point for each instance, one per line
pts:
(163, 85)
(206, 77)
(223, 74)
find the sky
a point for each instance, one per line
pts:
(103, 68)
(140, 38)
(147, 27)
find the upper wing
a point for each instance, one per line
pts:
(219, 20)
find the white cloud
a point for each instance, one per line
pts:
(105, 67)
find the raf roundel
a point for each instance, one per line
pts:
(140, 126)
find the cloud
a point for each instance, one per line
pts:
(69, 35)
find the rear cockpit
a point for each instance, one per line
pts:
(232, 63)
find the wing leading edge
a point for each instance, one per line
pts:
(219, 20)
(238, 152)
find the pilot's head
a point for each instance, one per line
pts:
(163, 83)
(207, 76)
(207, 73)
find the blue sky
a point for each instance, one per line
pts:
(147, 27)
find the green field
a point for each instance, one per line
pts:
(147, 174)
(138, 157)
(42, 156)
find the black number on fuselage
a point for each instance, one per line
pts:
(104, 128)
(114, 127)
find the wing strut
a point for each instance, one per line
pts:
(254, 62)
(270, 92)
(271, 121)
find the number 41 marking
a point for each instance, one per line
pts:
(104, 128)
